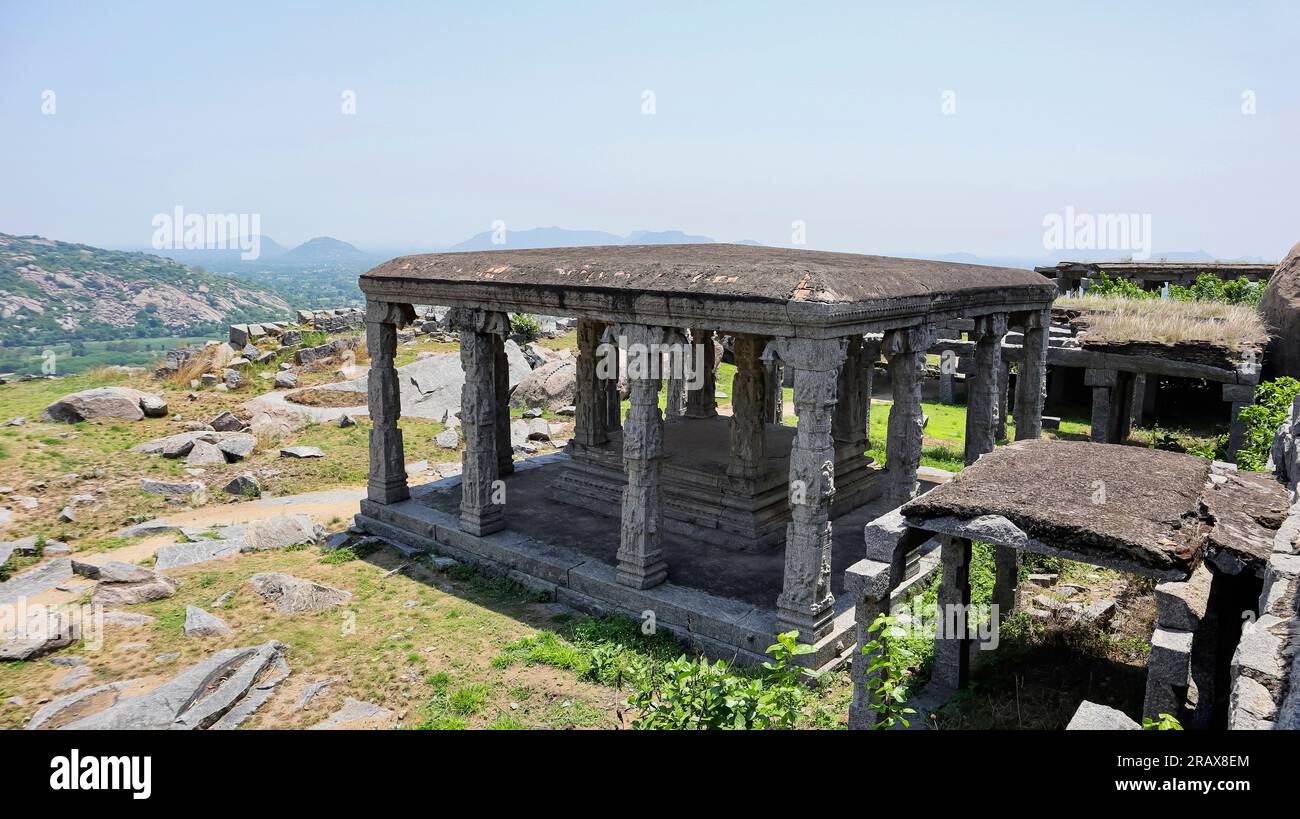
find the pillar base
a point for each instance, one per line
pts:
(811, 626)
(636, 576)
(481, 525)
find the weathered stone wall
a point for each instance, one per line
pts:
(1266, 665)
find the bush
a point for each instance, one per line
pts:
(526, 325)
(1206, 287)
(1273, 401)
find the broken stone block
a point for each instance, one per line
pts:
(1171, 656)
(302, 452)
(130, 593)
(1180, 605)
(45, 630)
(199, 623)
(280, 532)
(205, 454)
(1093, 717)
(244, 486)
(294, 595)
(226, 421)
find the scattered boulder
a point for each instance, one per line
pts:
(1093, 717)
(114, 571)
(227, 421)
(174, 489)
(447, 439)
(294, 595)
(236, 445)
(551, 386)
(204, 454)
(44, 630)
(199, 623)
(105, 402)
(200, 551)
(133, 592)
(302, 452)
(233, 378)
(217, 692)
(286, 380)
(280, 532)
(245, 486)
(346, 421)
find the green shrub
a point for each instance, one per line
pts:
(526, 325)
(1273, 401)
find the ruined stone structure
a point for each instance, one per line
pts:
(1211, 536)
(1152, 275)
(722, 529)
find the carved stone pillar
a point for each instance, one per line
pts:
(1004, 399)
(702, 389)
(952, 634)
(748, 438)
(982, 386)
(853, 407)
(773, 389)
(805, 602)
(608, 360)
(590, 411)
(870, 357)
(1240, 396)
(640, 556)
(905, 350)
(675, 362)
(1031, 381)
(501, 378)
(387, 479)
(480, 506)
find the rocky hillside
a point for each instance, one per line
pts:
(54, 291)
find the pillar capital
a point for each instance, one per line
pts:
(811, 354)
(993, 324)
(475, 320)
(907, 340)
(389, 312)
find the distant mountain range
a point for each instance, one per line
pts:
(53, 291)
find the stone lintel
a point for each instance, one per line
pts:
(1100, 378)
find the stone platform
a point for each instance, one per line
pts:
(723, 603)
(700, 500)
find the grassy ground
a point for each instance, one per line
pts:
(54, 461)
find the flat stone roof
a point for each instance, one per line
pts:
(1119, 506)
(678, 283)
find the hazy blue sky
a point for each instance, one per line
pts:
(531, 113)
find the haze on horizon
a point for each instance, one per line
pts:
(763, 115)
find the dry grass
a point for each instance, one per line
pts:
(1165, 321)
